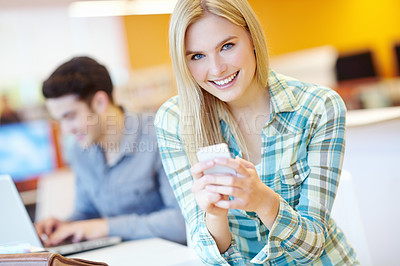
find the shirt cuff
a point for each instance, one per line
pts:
(121, 226)
(281, 229)
(207, 249)
(232, 255)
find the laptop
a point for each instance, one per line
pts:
(16, 226)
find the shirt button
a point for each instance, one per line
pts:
(297, 177)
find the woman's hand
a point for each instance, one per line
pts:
(216, 217)
(249, 192)
(206, 199)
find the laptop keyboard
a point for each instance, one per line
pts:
(67, 249)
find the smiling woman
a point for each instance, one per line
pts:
(223, 63)
(276, 209)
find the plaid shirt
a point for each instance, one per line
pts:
(302, 153)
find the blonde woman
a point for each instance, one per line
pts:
(286, 138)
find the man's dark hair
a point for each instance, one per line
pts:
(81, 76)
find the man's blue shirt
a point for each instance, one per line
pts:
(132, 192)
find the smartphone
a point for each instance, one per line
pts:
(215, 151)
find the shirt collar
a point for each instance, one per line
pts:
(282, 98)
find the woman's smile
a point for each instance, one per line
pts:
(225, 82)
(220, 56)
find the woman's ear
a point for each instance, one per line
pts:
(100, 102)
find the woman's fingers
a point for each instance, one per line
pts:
(246, 164)
(239, 165)
(235, 203)
(213, 197)
(198, 169)
(225, 190)
(212, 191)
(224, 180)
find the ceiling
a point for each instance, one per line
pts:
(119, 8)
(32, 3)
(16, 4)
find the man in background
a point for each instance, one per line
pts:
(121, 186)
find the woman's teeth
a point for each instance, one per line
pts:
(225, 81)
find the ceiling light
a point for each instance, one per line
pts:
(120, 8)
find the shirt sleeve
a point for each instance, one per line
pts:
(301, 231)
(166, 223)
(177, 167)
(83, 206)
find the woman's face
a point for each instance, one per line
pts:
(220, 56)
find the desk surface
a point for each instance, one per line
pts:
(154, 251)
(365, 117)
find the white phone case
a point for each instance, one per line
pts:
(215, 151)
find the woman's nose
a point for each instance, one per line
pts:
(217, 66)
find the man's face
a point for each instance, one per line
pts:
(76, 118)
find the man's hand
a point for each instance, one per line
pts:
(77, 231)
(46, 227)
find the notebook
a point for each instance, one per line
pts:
(16, 226)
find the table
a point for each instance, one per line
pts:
(364, 117)
(153, 251)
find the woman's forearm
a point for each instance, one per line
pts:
(269, 209)
(218, 227)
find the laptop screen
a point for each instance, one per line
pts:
(15, 225)
(16, 228)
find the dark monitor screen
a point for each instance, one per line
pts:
(397, 57)
(26, 149)
(355, 66)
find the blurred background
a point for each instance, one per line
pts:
(352, 46)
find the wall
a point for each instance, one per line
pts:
(345, 24)
(291, 25)
(147, 38)
(34, 41)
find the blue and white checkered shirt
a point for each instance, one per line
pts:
(302, 152)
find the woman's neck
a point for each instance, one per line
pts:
(255, 112)
(251, 119)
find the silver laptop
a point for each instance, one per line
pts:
(16, 226)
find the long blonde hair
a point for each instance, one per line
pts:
(200, 111)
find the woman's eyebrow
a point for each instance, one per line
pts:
(188, 52)
(224, 41)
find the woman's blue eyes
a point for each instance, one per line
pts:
(197, 56)
(224, 47)
(227, 46)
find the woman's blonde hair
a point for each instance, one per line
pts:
(200, 111)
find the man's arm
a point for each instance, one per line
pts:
(167, 223)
